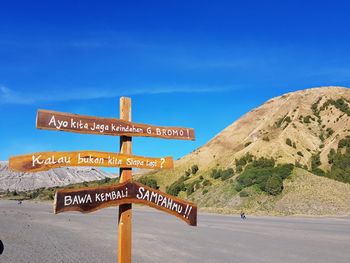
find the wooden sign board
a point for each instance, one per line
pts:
(52, 120)
(91, 199)
(44, 161)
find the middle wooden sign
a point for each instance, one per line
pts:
(44, 161)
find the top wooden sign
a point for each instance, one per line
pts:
(52, 120)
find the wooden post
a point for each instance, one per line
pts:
(125, 211)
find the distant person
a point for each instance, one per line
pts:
(243, 215)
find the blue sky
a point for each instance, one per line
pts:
(199, 64)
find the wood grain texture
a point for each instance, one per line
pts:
(125, 209)
(44, 161)
(129, 192)
(59, 121)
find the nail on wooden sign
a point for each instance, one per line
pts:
(94, 198)
(52, 120)
(44, 161)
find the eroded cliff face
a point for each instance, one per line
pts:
(11, 181)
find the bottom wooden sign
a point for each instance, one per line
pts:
(93, 198)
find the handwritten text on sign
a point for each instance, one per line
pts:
(52, 120)
(91, 199)
(47, 160)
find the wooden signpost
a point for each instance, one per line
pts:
(43, 161)
(127, 191)
(90, 199)
(52, 120)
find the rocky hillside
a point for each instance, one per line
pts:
(309, 129)
(11, 181)
(308, 118)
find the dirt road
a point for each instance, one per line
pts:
(32, 233)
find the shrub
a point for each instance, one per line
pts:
(314, 107)
(194, 169)
(238, 187)
(245, 159)
(223, 174)
(288, 119)
(300, 153)
(289, 142)
(283, 170)
(340, 104)
(315, 161)
(149, 182)
(247, 144)
(298, 164)
(226, 174)
(274, 185)
(340, 160)
(254, 176)
(106, 180)
(266, 138)
(263, 162)
(331, 156)
(319, 172)
(259, 175)
(321, 137)
(344, 143)
(306, 119)
(243, 194)
(280, 121)
(329, 131)
(239, 168)
(176, 187)
(206, 182)
(34, 194)
(215, 174)
(205, 191)
(190, 189)
(339, 174)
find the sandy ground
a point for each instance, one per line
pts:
(32, 233)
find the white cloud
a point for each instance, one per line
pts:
(9, 96)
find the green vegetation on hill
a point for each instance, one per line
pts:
(222, 173)
(149, 182)
(307, 119)
(181, 185)
(340, 161)
(290, 143)
(284, 119)
(263, 173)
(340, 104)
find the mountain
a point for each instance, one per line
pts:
(19, 181)
(245, 165)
